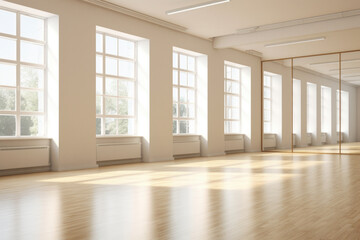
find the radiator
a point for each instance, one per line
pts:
(234, 142)
(323, 138)
(117, 151)
(184, 145)
(342, 136)
(308, 139)
(24, 157)
(269, 140)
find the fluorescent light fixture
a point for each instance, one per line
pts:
(332, 62)
(295, 42)
(343, 69)
(197, 6)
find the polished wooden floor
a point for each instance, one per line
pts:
(346, 148)
(240, 196)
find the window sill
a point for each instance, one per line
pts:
(120, 136)
(186, 135)
(233, 134)
(23, 138)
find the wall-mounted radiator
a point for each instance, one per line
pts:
(24, 157)
(269, 140)
(186, 145)
(309, 138)
(234, 142)
(118, 151)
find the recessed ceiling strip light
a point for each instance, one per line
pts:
(197, 6)
(354, 68)
(342, 61)
(295, 42)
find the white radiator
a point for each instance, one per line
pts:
(24, 157)
(323, 138)
(117, 151)
(308, 139)
(185, 145)
(269, 140)
(234, 142)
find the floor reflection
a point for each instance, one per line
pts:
(240, 196)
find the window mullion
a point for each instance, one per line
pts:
(18, 133)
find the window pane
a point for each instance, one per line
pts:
(126, 126)
(99, 64)
(267, 81)
(266, 92)
(174, 126)
(111, 66)
(235, 88)
(191, 63)
(98, 126)
(7, 74)
(110, 106)
(99, 42)
(175, 60)
(7, 125)
(184, 126)
(99, 85)
(191, 96)
(110, 126)
(191, 126)
(234, 127)
(183, 110)
(126, 69)
(267, 127)
(183, 78)
(32, 77)
(183, 95)
(267, 115)
(174, 110)
(111, 45)
(32, 125)
(191, 79)
(7, 99)
(99, 105)
(191, 108)
(267, 104)
(111, 86)
(7, 48)
(175, 77)
(126, 48)
(235, 101)
(32, 52)
(126, 88)
(126, 107)
(32, 101)
(183, 62)
(175, 94)
(7, 22)
(228, 72)
(235, 72)
(31, 27)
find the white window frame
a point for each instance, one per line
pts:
(178, 86)
(103, 75)
(228, 129)
(18, 113)
(270, 100)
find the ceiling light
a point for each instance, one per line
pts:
(342, 69)
(295, 42)
(197, 6)
(342, 61)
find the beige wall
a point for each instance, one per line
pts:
(77, 26)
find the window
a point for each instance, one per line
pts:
(232, 99)
(267, 104)
(184, 93)
(325, 109)
(344, 111)
(311, 109)
(22, 74)
(115, 85)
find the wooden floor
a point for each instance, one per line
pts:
(346, 148)
(242, 196)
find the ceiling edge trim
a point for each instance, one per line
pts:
(135, 14)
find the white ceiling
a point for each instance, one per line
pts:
(226, 19)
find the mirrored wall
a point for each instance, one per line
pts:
(312, 104)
